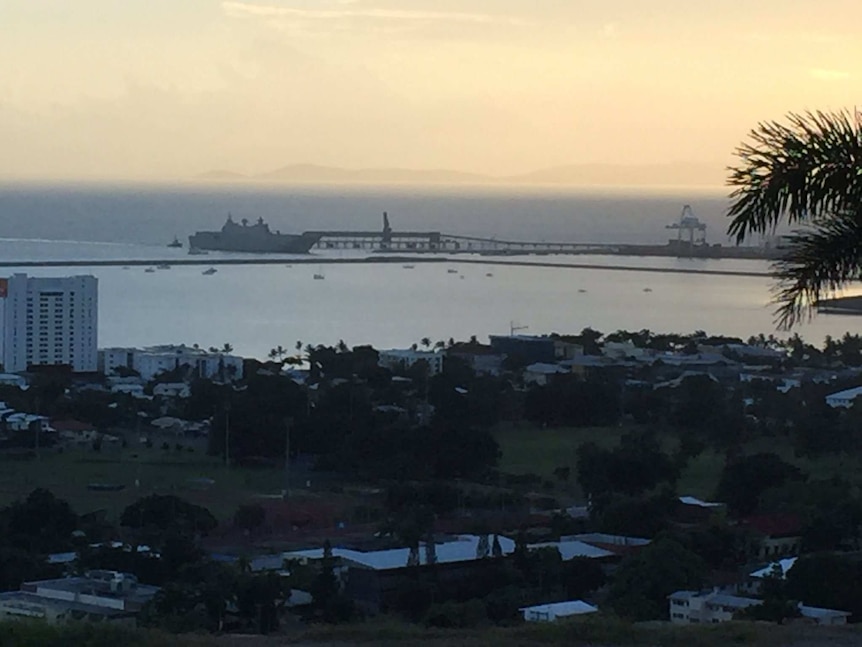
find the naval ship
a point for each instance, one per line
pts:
(256, 238)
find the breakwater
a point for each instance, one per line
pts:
(376, 259)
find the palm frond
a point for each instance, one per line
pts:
(799, 170)
(818, 260)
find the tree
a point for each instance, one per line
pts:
(249, 517)
(329, 601)
(803, 172)
(827, 580)
(41, 523)
(645, 580)
(743, 481)
(168, 513)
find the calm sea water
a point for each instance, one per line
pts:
(258, 307)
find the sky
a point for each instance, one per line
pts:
(168, 89)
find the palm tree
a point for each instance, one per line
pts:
(426, 342)
(803, 172)
(227, 348)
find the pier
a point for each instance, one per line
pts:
(417, 242)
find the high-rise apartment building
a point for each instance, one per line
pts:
(49, 321)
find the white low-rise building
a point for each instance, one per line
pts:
(712, 607)
(172, 390)
(395, 358)
(552, 612)
(152, 361)
(541, 373)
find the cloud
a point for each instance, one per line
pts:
(346, 12)
(822, 74)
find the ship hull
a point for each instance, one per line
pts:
(276, 244)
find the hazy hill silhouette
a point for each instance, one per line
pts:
(675, 174)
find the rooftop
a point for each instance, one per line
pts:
(571, 548)
(461, 549)
(570, 608)
(690, 500)
(31, 604)
(97, 584)
(847, 394)
(782, 566)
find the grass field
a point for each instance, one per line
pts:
(141, 472)
(530, 449)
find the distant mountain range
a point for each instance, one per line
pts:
(676, 174)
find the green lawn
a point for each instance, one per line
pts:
(527, 448)
(530, 449)
(142, 472)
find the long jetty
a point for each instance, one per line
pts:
(435, 242)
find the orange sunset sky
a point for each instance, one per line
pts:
(162, 89)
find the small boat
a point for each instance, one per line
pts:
(288, 265)
(175, 243)
(163, 266)
(408, 267)
(647, 289)
(209, 272)
(194, 251)
(489, 274)
(581, 291)
(452, 271)
(149, 270)
(126, 267)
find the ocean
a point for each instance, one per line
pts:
(258, 307)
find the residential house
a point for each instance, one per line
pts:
(617, 544)
(98, 596)
(713, 607)
(585, 365)
(692, 510)
(533, 349)
(13, 379)
(693, 607)
(541, 373)
(172, 390)
(480, 358)
(844, 399)
(75, 430)
(555, 610)
(778, 535)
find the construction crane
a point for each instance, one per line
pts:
(688, 224)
